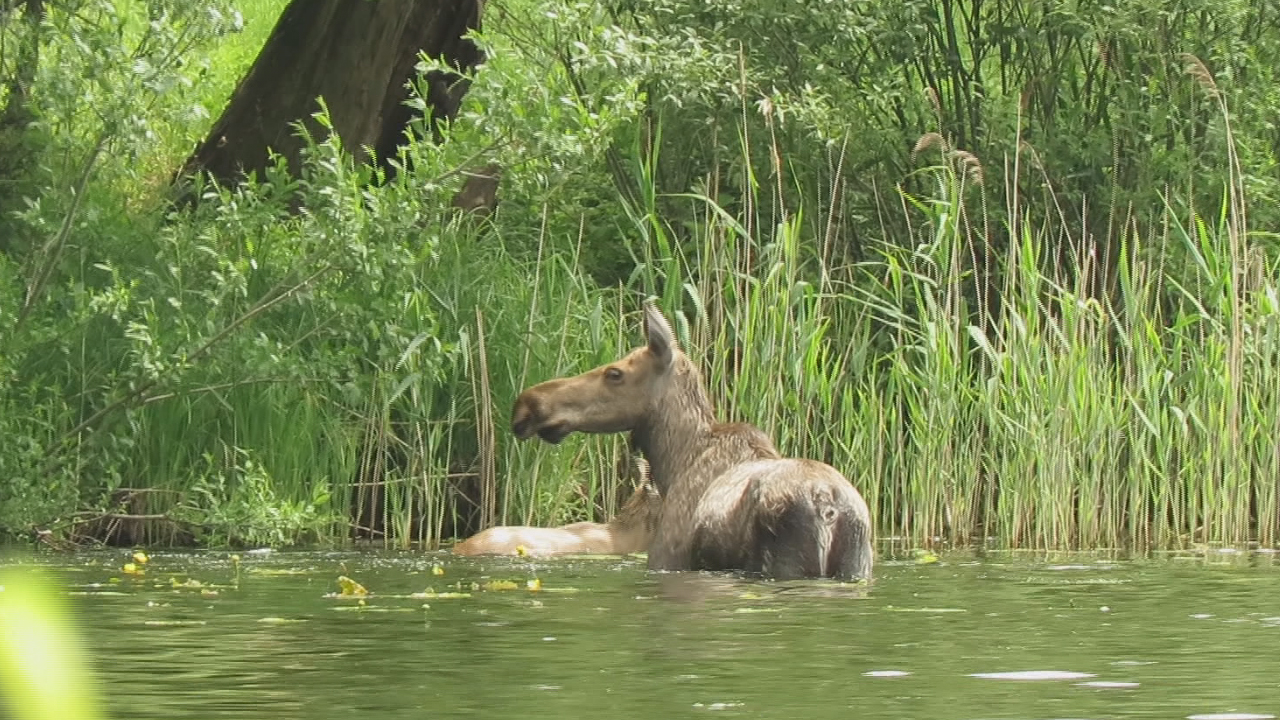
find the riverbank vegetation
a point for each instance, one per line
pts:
(1010, 266)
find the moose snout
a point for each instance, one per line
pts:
(524, 417)
(531, 416)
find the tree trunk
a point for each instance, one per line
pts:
(356, 54)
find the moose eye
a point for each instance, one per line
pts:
(613, 374)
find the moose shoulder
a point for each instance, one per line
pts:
(730, 501)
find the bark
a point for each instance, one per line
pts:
(357, 55)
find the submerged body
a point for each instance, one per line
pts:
(630, 531)
(585, 538)
(730, 501)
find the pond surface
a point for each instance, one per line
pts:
(996, 635)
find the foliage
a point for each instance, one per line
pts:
(45, 673)
(998, 261)
(245, 509)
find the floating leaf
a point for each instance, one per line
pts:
(133, 569)
(500, 585)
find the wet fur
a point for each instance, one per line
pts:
(730, 500)
(630, 531)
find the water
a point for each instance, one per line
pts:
(999, 636)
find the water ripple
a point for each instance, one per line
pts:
(1033, 675)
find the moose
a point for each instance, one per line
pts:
(630, 531)
(730, 501)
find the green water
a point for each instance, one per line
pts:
(1170, 636)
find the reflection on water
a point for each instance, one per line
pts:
(997, 635)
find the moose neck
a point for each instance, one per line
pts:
(678, 427)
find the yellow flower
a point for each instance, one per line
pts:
(140, 557)
(534, 585)
(437, 570)
(351, 587)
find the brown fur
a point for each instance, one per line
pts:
(630, 531)
(730, 500)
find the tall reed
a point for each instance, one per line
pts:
(1062, 418)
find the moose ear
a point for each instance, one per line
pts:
(662, 341)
